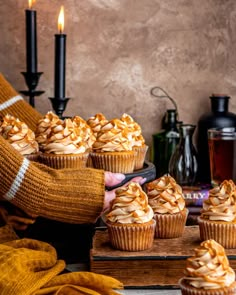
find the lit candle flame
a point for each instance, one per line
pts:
(31, 2)
(61, 20)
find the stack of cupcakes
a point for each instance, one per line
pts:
(218, 215)
(20, 136)
(208, 272)
(166, 198)
(130, 222)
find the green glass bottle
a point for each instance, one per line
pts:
(164, 143)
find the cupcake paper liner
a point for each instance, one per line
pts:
(64, 161)
(170, 225)
(189, 290)
(140, 154)
(132, 237)
(223, 233)
(117, 162)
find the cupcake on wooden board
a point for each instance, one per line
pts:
(138, 141)
(208, 272)
(112, 150)
(130, 222)
(218, 215)
(64, 147)
(166, 198)
(20, 136)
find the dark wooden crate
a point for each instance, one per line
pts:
(160, 266)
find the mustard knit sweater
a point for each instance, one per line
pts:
(68, 195)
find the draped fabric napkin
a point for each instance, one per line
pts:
(31, 267)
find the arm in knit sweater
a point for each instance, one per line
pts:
(69, 195)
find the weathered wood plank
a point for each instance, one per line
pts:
(162, 265)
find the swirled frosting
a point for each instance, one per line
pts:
(165, 195)
(113, 137)
(134, 129)
(45, 126)
(64, 139)
(96, 122)
(83, 130)
(209, 267)
(19, 135)
(130, 205)
(221, 203)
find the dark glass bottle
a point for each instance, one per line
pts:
(164, 143)
(218, 117)
(183, 164)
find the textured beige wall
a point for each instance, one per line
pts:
(117, 50)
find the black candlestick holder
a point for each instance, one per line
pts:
(59, 104)
(31, 80)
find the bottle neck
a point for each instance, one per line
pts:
(171, 120)
(186, 132)
(219, 104)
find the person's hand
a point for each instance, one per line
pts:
(110, 195)
(15, 217)
(112, 179)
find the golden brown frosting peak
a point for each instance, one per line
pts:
(96, 122)
(83, 130)
(221, 203)
(134, 129)
(113, 137)
(165, 195)
(209, 267)
(44, 127)
(130, 205)
(19, 135)
(63, 139)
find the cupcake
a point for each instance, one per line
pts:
(166, 198)
(208, 272)
(20, 136)
(138, 141)
(64, 147)
(112, 150)
(218, 215)
(130, 220)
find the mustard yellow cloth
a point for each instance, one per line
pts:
(31, 267)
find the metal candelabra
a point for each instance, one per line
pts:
(31, 80)
(59, 104)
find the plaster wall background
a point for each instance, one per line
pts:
(117, 50)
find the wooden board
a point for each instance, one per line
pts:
(162, 265)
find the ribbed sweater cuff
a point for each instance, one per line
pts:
(13, 103)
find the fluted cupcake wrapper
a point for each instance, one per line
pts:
(117, 162)
(188, 290)
(140, 156)
(132, 237)
(89, 162)
(74, 161)
(170, 225)
(223, 233)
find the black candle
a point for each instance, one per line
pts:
(60, 59)
(31, 39)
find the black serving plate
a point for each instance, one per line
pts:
(148, 171)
